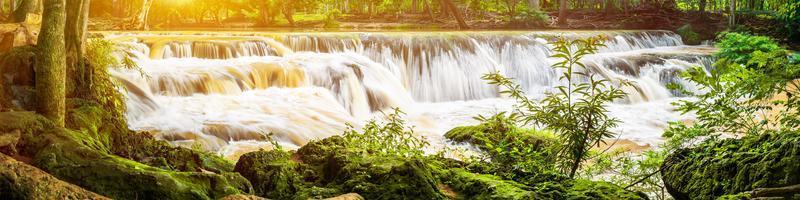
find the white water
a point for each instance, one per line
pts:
(227, 92)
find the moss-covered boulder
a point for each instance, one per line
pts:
(325, 168)
(272, 173)
(22, 181)
(84, 156)
(733, 166)
(521, 167)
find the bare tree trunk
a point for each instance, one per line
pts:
(21, 12)
(414, 6)
(562, 12)
(732, 19)
(702, 9)
(427, 8)
(624, 5)
(51, 67)
(288, 14)
(452, 9)
(2, 9)
(140, 21)
(75, 39)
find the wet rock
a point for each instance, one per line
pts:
(17, 78)
(348, 196)
(22, 181)
(733, 166)
(242, 197)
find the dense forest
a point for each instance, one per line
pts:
(399, 99)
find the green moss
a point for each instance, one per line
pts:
(733, 166)
(84, 156)
(272, 173)
(484, 186)
(585, 189)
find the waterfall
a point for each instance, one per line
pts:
(218, 90)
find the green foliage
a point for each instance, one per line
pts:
(331, 19)
(639, 171)
(576, 112)
(738, 47)
(739, 96)
(523, 155)
(751, 92)
(392, 138)
(689, 36)
(790, 16)
(101, 55)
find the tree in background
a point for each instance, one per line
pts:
(75, 39)
(21, 12)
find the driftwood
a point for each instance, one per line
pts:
(780, 192)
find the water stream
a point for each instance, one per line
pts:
(227, 91)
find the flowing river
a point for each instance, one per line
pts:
(226, 91)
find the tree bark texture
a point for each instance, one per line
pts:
(75, 40)
(51, 66)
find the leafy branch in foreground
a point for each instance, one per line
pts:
(391, 138)
(576, 111)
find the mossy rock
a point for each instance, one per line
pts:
(272, 173)
(22, 181)
(83, 156)
(326, 168)
(484, 186)
(732, 166)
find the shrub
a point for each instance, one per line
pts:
(576, 111)
(392, 138)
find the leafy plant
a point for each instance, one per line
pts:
(576, 111)
(101, 55)
(391, 138)
(752, 89)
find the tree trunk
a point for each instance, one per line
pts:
(702, 9)
(732, 19)
(414, 6)
(39, 7)
(75, 40)
(287, 13)
(562, 12)
(427, 8)
(624, 5)
(51, 67)
(371, 8)
(21, 12)
(451, 7)
(140, 21)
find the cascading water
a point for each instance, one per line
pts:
(227, 92)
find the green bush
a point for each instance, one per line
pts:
(576, 112)
(392, 138)
(689, 36)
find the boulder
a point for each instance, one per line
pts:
(22, 181)
(84, 157)
(733, 166)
